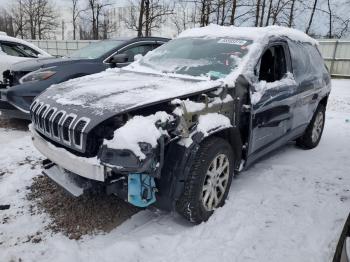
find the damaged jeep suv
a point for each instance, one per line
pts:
(173, 128)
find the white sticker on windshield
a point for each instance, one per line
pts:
(232, 41)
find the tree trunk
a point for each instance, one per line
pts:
(311, 17)
(275, 14)
(223, 12)
(257, 12)
(233, 12)
(262, 13)
(269, 13)
(142, 9)
(330, 33)
(147, 19)
(291, 14)
(207, 13)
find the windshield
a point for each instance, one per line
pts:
(96, 50)
(213, 57)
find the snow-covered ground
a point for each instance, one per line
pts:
(291, 206)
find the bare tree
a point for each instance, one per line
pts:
(96, 12)
(311, 17)
(291, 13)
(330, 35)
(34, 18)
(183, 16)
(262, 13)
(269, 12)
(147, 15)
(257, 12)
(6, 22)
(75, 15)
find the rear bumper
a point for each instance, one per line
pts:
(90, 168)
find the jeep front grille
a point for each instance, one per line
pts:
(59, 126)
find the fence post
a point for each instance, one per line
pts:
(333, 57)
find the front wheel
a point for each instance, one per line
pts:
(313, 133)
(209, 180)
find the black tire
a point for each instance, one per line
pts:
(190, 205)
(306, 141)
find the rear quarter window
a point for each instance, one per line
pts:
(307, 61)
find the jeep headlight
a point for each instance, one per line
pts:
(41, 74)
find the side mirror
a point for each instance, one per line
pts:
(119, 58)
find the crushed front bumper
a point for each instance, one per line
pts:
(85, 167)
(78, 174)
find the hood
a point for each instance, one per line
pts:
(37, 63)
(103, 95)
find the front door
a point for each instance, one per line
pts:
(273, 98)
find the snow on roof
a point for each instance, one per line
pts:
(253, 33)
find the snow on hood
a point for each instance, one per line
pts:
(120, 90)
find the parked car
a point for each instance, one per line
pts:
(173, 128)
(28, 79)
(13, 50)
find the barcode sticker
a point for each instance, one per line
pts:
(232, 41)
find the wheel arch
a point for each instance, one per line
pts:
(324, 100)
(176, 169)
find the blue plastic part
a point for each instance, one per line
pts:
(141, 190)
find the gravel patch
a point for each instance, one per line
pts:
(17, 124)
(80, 216)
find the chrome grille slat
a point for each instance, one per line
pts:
(67, 128)
(38, 110)
(60, 126)
(78, 131)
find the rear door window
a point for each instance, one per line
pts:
(307, 62)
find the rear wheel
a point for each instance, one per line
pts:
(313, 133)
(209, 180)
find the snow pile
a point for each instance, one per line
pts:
(262, 86)
(140, 129)
(213, 121)
(207, 124)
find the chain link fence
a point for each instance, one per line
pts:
(335, 52)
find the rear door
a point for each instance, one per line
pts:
(311, 76)
(273, 98)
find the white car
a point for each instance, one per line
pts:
(13, 50)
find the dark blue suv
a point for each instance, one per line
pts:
(28, 79)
